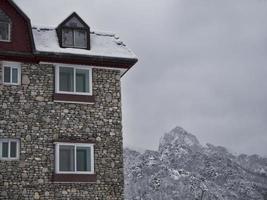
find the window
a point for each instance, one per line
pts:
(11, 73)
(5, 27)
(74, 158)
(73, 32)
(74, 80)
(9, 149)
(74, 38)
(4, 31)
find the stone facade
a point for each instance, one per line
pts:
(28, 113)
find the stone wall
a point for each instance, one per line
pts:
(28, 113)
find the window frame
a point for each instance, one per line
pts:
(9, 32)
(73, 37)
(9, 158)
(57, 159)
(90, 93)
(11, 65)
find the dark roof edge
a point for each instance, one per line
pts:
(101, 61)
(12, 3)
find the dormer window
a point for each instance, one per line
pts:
(74, 38)
(5, 27)
(73, 32)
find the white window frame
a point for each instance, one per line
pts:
(58, 144)
(9, 32)
(9, 149)
(75, 67)
(11, 65)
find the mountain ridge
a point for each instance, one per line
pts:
(184, 169)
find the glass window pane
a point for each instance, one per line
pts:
(66, 79)
(66, 158)
(4, 31)
(67, 38)
(5, 149)
(80, 38)
(83, 158)
(14, 75)
(13, 149)
(7, 72)
(82, 80)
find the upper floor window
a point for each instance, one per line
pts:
(9, 149)
(73, 32)
(74, 158)
(73, 80)
(11, 72)
(5, 27)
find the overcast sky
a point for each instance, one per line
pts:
(202, 65)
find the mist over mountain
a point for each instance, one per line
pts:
(183, 169)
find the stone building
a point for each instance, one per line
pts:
(60, 109)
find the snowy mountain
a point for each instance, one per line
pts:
(183, 169)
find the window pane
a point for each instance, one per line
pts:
(4, 31)
(14, 75)
(7, 74)
(80, 38)
(66, 79)
(5, 149)
(67, 37)
(13, 149)
(66, 158)
(82, 80)
(83, 159)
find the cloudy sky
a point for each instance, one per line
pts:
(202, 65)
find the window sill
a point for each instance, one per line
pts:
(10, 84)
(74, 178)
(5, 41)
(73, 98)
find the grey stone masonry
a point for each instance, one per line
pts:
(28, 113)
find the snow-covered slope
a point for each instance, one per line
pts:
(183, 169)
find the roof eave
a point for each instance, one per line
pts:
(100, 61)
(104, 61)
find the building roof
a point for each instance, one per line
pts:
(106, 49)
(102, 44)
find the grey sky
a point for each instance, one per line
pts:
(202, 65)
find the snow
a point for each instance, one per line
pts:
(102, 44)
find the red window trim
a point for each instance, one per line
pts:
(74, 98)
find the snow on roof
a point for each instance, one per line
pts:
(102, 44)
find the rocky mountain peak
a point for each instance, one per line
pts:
(178, 137)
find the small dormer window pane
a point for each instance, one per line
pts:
(74, 38)
(67, 38)
(80, 38)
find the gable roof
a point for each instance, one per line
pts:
(74, 14)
